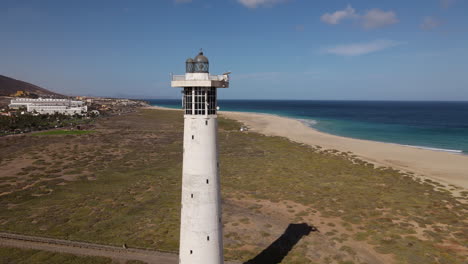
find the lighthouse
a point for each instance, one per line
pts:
(201, 234)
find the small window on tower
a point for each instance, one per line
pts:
(207, 181)
(206, 122)
(191, 195)
(193, 137)
(208, 238)
(191, 252)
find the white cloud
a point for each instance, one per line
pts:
(357, 49)
(373, 18)
(257, 3)
(336, 17)
(376, 18)
(430, 23)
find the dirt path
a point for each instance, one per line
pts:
(88, 249)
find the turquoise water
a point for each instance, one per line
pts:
(440, 126)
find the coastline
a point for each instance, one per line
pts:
(444, 167)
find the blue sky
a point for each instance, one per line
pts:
(276, 49)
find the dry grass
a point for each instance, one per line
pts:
(122, 185)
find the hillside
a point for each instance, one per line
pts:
(9, 86)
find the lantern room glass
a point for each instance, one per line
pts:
(201, 67)
(189, 67)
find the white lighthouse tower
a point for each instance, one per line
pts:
(201, 234)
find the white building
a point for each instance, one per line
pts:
(49, 106)
(201, 234)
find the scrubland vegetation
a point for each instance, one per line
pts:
(121, 184)
(63, 132)
(24, 123)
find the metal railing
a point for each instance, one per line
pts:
(216, 77)
(211, 78)
(178, 77)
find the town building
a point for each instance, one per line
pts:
(49, 106)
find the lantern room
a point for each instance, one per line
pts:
(199, 64)
(189, 66)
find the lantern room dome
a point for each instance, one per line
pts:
(200, 63)
(201, 58)
(189, 60)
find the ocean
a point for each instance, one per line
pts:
(441, 126)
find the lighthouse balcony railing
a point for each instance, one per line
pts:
(211, 78)
(218, 77)
(178, 77)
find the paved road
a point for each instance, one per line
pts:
(89, 249)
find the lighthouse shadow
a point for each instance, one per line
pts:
(280, 248)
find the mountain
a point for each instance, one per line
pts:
(10, 86)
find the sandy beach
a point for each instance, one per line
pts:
(444, 167)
